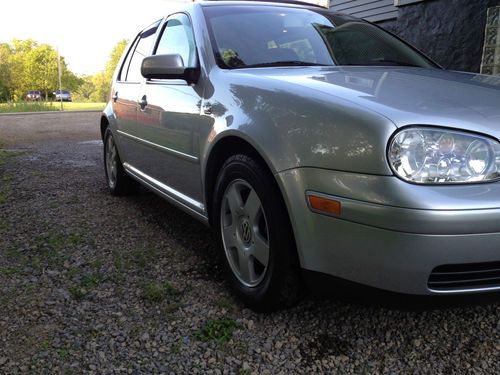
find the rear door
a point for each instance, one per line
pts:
(170, 120)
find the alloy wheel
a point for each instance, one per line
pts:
(245, 233)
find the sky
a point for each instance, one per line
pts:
(85, 31)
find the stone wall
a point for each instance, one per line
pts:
(491, 55)
(449, 31)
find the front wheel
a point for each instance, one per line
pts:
(256, 241)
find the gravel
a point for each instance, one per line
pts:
(94, 284)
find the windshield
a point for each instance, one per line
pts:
(258, 36)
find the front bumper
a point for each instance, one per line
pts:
(396, 236)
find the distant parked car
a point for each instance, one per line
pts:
(63, 95)
(33, 95)
(318, 146)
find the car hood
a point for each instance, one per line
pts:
(405, 95)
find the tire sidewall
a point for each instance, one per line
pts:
(281, 244)
(108, 135)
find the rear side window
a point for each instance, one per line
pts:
(178, 38)
(131, 70)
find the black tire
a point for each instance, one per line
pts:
(118, 181)
(262, 287)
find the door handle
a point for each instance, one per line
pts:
(115, 96)
(143, 103)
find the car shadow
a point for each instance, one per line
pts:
(198, 240)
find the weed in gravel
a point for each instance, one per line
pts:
(7, 178)
(219, 330)
(176, 348)
(77, 293)
(44, 345)
(141, 257)
(4, 195)
(9, 271)
(4, 226)
(153, 292)
(63, 353)
(171, 308)
(5, 155)
(86, 283)
(90, 280)
(225, 303)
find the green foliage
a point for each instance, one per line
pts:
(219, 330)
(49, 106)
(95, 88)
(27, 65)
(153, 292)
(27, 107)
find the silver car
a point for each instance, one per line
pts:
(318, 146)
(62, 95)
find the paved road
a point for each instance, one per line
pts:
(90, 283)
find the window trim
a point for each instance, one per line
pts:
(130, 52)
(133, 47)
(162, 27)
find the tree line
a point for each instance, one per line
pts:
(28, 65)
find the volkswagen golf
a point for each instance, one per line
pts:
(318, 147)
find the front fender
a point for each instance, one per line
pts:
(294, 127)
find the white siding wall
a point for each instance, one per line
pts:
(372, 10)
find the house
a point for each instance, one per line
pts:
(458, 34)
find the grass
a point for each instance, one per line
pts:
(49, 106)
(4, 195)
(77, 293)
(5, 155)
(219, 330)
(154, 293)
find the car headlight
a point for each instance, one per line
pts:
(440, 156)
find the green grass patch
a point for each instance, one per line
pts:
(219, 330)
(26, 107)
(155, 293)
(49, 106)
(90, 280)
(7, 178)
(77, 293)
(9, 271)
(4, 196)
(4, 226)
(80, 288)
(76, 106)
(5, 155)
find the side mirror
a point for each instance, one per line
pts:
(168, 67)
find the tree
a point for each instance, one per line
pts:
(26, 65)
(102, 80)
(5, 74)
(85, 90)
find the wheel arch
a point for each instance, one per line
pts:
(219, 153)
(104, 125)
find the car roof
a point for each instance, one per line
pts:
(290, 3)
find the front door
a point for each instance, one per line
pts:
(169, 118)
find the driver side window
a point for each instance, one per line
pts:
(178, 37)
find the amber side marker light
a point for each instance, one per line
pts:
(324, 205)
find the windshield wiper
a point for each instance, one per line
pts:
(281, 63)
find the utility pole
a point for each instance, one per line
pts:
(59, 75)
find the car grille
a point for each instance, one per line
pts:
(455, 277)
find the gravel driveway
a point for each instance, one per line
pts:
(90, 283)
